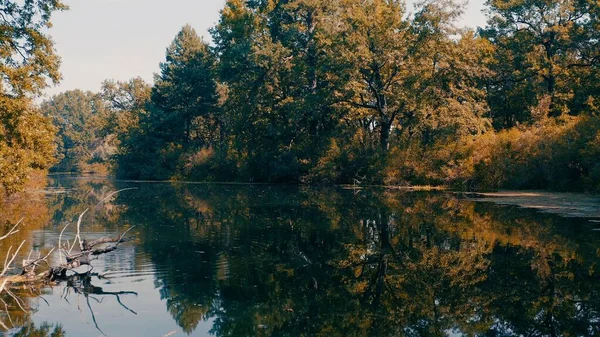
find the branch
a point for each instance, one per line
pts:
(12, 230)
(77, 237)
(123, 305)
(29, 265)
(93, 316)
(113, 193)
(60, 248)
(7, 265)
(364, 105)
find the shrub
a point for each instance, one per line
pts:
(206, 164)
(557, 154)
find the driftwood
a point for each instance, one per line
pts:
(39, 269)
(89, 251)
(38, 272)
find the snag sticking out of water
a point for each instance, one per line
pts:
(36, 273)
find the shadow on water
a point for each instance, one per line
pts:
(230, 260)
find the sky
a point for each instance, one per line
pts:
(121, 39)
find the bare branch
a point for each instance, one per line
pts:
(123, 305)
(60, 248)
(77, 236)
(7, 312)
(113, 193)
(3, 285)
(16, 300)
(93, 316)
(12, 230)
(7, 265)
(4, 326)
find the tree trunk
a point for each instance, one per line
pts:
(551, 79)
(385, 136)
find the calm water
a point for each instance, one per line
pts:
(234, 260)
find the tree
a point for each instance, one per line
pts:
(128, 105)
(28, 60)
(451, 70)
(185, 90)
(410, 74)
(540, 44)
(380, 44)
(80, 118)
(277, 62)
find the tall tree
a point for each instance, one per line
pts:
(128, 105)
(540, 44)
(411, 75)
(27, 61)
(276, 59)
(185, 89)
(380, 43)
(449, 72)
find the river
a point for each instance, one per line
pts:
(263, 260)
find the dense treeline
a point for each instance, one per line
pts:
(342, 91)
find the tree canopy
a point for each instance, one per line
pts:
(28, 63)
(340, 91)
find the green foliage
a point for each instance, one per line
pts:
(27, 143)
(382, 50)
(27, 62)
(27, 52)
(171, 121)
(411, 85)
(557, 154)
(544, 49)
(348, 160)
(184, 93)
(283, 76)
(80, 118)
(128, 104)
(345, 91)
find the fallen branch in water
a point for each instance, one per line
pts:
(39, 270)
(90, 251)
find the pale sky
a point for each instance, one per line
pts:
(121, 39)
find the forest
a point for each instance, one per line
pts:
(324, 92)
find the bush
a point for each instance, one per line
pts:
(558, 155)
(561, 154)
(347, 161)
(206, 164)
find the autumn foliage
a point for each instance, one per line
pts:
(366, 92)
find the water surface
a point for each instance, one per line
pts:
(254, 260)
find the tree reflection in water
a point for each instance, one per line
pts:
(293, 261)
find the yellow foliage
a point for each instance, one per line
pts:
(555, 153)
